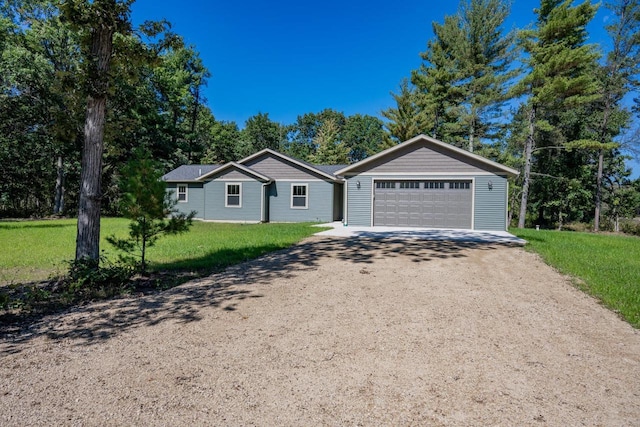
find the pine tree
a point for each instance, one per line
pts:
(560, 78)
(439, 98)
(618, 76)
(406, 120)
(329, 149)
(463, 81)
(486, 61)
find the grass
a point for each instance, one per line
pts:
(608, 266)
(36, 250)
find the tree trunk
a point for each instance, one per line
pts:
(528, 150)
(596, 217)
(88, 238)
(58, 204)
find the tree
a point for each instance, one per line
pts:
(223, 148)
(407, 119)
(151, 209)
(261, 132)
(560, 78)
(301, 136)
(463, 81)
(363, 136)
(618, 76)
(486, 67)
(330, 150)
(439, 97)
(102, 18)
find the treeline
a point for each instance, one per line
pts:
(541, 100)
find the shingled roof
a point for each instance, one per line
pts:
(186, 173)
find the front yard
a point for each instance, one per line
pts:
(36, 250)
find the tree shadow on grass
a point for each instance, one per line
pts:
(98, 322)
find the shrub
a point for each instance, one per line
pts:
(86, 279)
(630, 226)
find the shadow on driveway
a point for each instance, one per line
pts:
(98, 322)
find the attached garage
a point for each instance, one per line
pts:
(428, 203)
(424, 182)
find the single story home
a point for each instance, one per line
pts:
(265, 187)
(421, 182)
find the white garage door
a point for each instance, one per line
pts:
(435, 204)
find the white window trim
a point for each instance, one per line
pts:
(186, 193)
(306, 198)
(226, 195)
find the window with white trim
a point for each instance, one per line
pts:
(299, 196)
(182, 193)
(233, 195)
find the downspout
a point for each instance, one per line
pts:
(263, 214)
(345, 205)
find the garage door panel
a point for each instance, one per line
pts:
(423, 204)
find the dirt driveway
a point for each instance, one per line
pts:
(336, 332)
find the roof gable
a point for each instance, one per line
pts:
(255, 160)
(425, 154)
(235, 166)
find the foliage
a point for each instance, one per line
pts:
(631, 227)
(559, 83)
(406, 119)
(155, 102)
(612, 276)
(462, 83)
(88, 279)
(330, 150)
(151, 209)
(261, 132)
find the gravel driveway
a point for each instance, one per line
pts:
(336, 332)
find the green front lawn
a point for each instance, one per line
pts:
(36, 250)
(607, 265)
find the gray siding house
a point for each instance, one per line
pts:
(424, 182)
(421, 182)
(265, 187)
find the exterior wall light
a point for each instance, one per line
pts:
(358, 185)
(490, 185)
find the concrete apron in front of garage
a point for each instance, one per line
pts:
(339, 230)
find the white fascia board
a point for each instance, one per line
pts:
(238, 166)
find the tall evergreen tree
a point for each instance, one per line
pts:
(406, 119)
(439, 98)
(486, 62)
(330, 150)
(468, 64)
(560, 77)
(617, 76)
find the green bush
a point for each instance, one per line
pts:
(86, 279)
(630, 226)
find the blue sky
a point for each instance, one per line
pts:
(287, 58)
